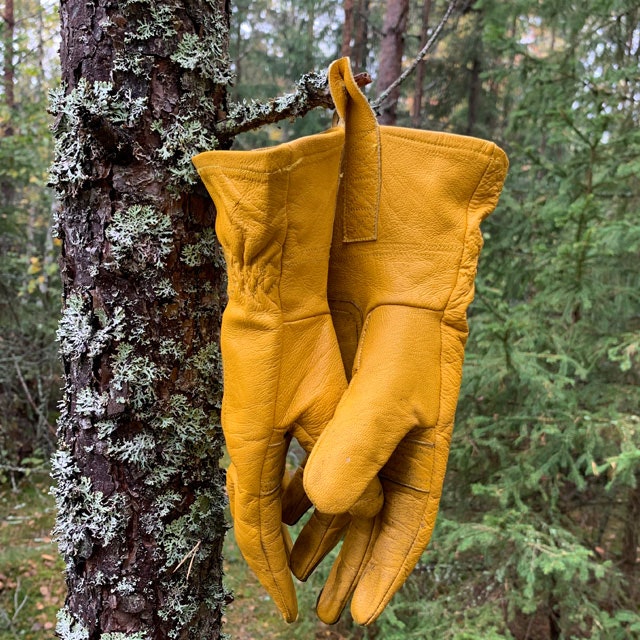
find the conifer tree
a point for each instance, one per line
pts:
(139, 490)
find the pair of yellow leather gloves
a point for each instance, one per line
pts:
(351, 259)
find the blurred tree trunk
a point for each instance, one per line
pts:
(139, 490)
(6, 187)
(391, 50)
(360, 48)
(8, 66)
(475, 82)
(347, 28)
(416, 108)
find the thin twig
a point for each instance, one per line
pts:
(189, 555)
(193, 557)
(405, 74)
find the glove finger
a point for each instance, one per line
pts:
(232, 479)
(257, 525)
(318, 536)
(321, 402)
(352, 559)
(295, 502)
(412, 484)
(392, 391)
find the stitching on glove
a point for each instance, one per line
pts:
(405, 484)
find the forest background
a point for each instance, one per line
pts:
(538, 531)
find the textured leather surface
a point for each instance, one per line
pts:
(283, 373)
(402, 298)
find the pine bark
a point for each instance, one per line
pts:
(391, 50)
(139, 489)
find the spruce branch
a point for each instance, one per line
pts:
(423, 52)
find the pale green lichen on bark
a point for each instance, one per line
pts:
(208, 363)
(205, 250)
(311, 91)
(68, 628)
(172, 348)
(140, 450)
(164, 289)
(72, 110)
(126, 586)
(85, 516)
(74, 329)
(158, 22)
(140, 234)
(77, 333)
(134, 379)
(136, 64)
(202, 53)
(90, 403)
(181, 542)
(181, 140)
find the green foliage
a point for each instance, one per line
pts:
(29, 281)
(31, 584)
(542, 482)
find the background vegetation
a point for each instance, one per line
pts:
(538, 532)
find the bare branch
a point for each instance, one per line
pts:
(312, 91)
(29, 397)
(423, 52)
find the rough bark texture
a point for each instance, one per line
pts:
(391, 50)
(139, 490)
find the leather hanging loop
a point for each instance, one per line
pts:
(359, 195)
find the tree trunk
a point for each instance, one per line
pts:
(391, 50)
(416, 107)
(9, 27)
(139, 490)
(474, 95)
(475, 82)
(360, 49)
(347, 28)
(7, 187)
(631, 540)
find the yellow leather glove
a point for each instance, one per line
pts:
(401, 277)
(283, 374)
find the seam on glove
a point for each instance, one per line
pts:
(424, 443)
(317, 557)
(463, 289)
(405, 484)
(402, 569)
(260, 499)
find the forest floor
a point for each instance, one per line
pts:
(32, 583)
